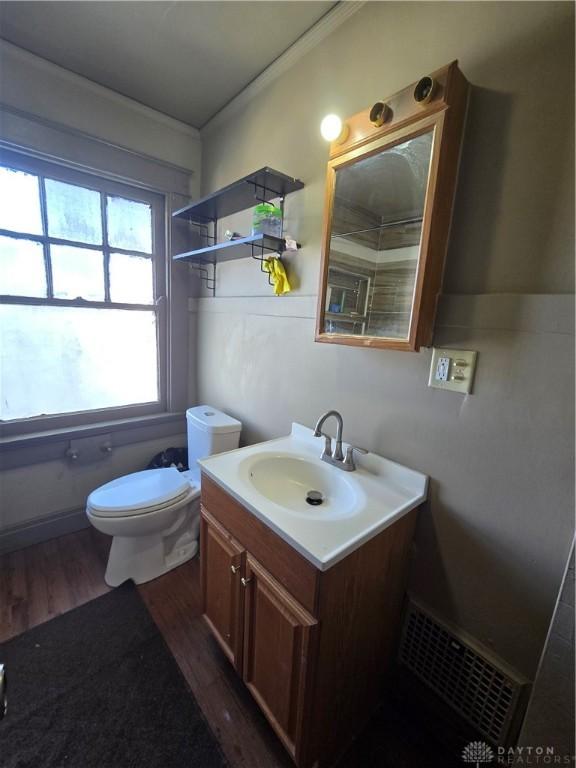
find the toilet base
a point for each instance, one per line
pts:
(144, 558)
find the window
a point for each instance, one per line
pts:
(82, 269)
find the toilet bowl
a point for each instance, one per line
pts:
(154, 515)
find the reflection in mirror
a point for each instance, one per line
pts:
(375, 240)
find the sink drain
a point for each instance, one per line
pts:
(314, 498)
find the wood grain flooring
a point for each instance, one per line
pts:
(45, 580)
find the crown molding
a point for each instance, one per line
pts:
(67, 75)
(305, 43)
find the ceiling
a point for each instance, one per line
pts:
(186, 59)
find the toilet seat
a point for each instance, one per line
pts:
(142, 493)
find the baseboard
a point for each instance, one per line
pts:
(36, 531)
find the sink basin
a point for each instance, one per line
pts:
(288, 480)
(273, 479)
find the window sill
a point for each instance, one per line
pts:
(38, 447)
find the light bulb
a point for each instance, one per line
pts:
(331, 127)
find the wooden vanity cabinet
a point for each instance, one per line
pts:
(312, 646)
(278, 639)
(222, 566)
(266, 634)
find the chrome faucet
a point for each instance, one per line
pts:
(336, 457)
(327, 452)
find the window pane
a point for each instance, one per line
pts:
(73, 212)
(131, 279)
(22, 270)
(19, 202)
(129, 224)
(65, 359)
(77, 272)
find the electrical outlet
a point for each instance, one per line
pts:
(442, 369)
(452, 369)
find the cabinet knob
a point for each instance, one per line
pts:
(234, 568)
(245, 582)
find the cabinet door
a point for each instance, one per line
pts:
(222, 595)
(278, 647)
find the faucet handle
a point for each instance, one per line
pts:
(349, 459)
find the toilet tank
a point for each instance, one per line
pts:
(210, 431)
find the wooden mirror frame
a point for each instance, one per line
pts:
(443, 112)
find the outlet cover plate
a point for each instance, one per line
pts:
(461, 369)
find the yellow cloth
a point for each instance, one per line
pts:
(274, 266)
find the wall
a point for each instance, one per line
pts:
(550, 714)
(37, 97)
(48, 498)
(58, 115)
(490, 549)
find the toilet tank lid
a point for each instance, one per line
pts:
(212, 420)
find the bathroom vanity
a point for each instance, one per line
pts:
(305, 601)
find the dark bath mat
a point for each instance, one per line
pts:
(98, 688)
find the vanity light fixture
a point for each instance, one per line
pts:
(332, 129)
(425, 90)
(380, 113)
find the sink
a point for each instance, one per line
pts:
(272, 480)
(287, 480)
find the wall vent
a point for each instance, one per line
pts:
(485, 694)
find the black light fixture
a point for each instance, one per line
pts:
(424, 90)
(380, 113)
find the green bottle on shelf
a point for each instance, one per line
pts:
(267, 220)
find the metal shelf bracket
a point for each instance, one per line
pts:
(208, 277)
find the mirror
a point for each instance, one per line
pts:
(389, 194)
(375, 240)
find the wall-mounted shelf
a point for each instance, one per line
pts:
(261, 186)
(255, 246)
(235, 249)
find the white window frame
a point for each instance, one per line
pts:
(157, 201)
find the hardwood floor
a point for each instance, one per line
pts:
(45, 580)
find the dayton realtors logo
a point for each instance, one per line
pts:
(479, 754)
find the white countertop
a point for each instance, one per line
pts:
(358, 505)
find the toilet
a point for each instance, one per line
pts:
(154, 515)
